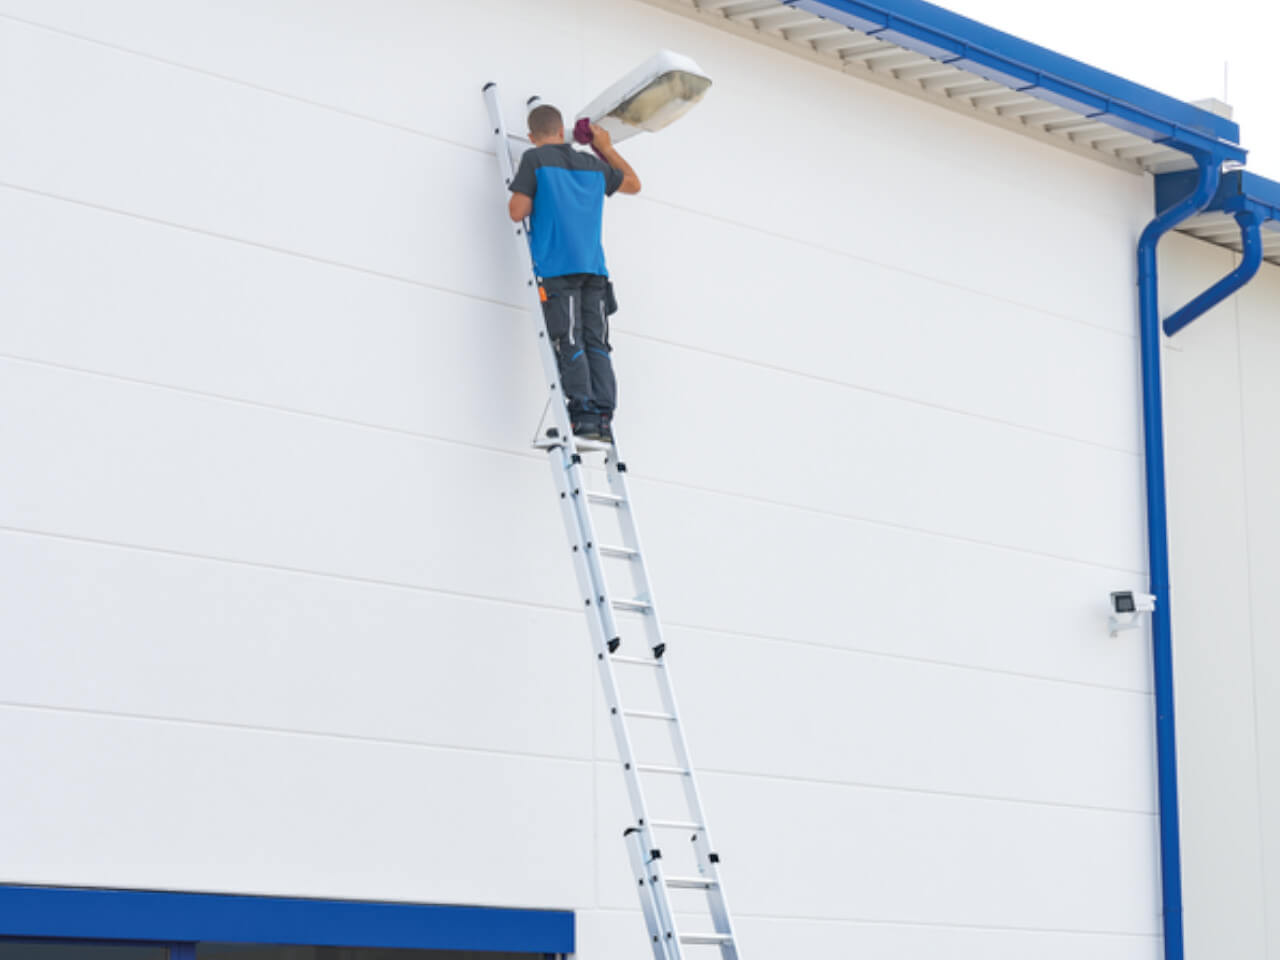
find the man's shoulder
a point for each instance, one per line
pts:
(564, 156)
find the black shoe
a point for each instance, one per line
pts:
(587, 426)
(606, 428)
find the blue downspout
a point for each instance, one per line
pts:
(1251, 236)
(1158, 546)
(1210, 173)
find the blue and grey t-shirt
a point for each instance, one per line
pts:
(568, 187)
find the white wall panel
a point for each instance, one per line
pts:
(873, 326)
(816, 445)
(903, 942)
(1259, 311)
(301, 330)
(880, 588)
(1211, 529)
(131, 631)
(274, 488)
(879, 388)
(829, 851)
(620, 934)
(287, 490)
(823, 714)
(417, 65)
(121, 802)
(93, 290)
(105, 127)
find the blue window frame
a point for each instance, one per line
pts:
(180, 921)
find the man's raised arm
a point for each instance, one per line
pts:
(601, 140)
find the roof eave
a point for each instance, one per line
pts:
(1036, 71)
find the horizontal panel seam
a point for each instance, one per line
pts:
(582, 761)
(320, 105)
(523, 310)
(849, 255)
(911, 924)
(920, 791)
(1131, 452)
(531, 457)
(550, 608)
(247, 728)
(257, 245)
(246, 84)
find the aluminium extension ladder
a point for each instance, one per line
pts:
(670, 784)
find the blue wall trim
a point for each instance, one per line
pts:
(76, 913)
(1004, 58)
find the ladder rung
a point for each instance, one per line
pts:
(596, 497)
(638, 661)
(625, 553)
(635, 606)
(654, 768)
(690, 883)
(675, 825)
(708, 938)
(649, 715)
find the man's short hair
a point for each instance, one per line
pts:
(545, 120)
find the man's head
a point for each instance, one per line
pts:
(545, 125)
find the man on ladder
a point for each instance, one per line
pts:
(564, 190)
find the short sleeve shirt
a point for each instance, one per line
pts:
(568, 188)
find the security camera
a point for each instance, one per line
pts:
(1126, 606)
(1126, 601)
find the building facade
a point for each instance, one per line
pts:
(291, 657)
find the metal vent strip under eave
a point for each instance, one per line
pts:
(1239, 190)
(935, 55)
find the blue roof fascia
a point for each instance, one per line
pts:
(1238, 190)
(1002, 58)
(152, 916)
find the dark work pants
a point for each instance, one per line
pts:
(579, 330)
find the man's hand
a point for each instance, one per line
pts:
(601, 140)
(600, 137)
(519, 206)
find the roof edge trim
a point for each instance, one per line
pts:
(1024, 66)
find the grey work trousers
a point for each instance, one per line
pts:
(574, 310)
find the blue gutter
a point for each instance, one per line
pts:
(1211, 140)
(1035, 70)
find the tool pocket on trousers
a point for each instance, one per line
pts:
(557, 311)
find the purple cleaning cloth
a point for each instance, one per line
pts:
(582, 133)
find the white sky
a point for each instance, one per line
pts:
(1174, 47)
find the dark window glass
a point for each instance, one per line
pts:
(18, 950)
(248, 951)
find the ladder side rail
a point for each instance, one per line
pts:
(570, 482)
(705, 851)
(631, 538)
(567, 477)
(520, 232)
(589, 561)
(661, 938)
